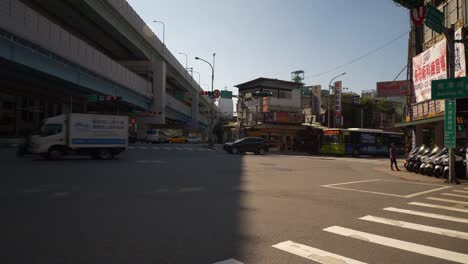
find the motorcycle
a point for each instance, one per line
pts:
(426, 159)
(429, 167)
(460, 165)
(439, 165)
(410, 162)
(416, 163)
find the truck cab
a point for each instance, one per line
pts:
(52, 135)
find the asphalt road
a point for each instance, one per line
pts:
(183, 203)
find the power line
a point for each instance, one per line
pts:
(400, 72)
(360, 57)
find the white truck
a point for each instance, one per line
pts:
(100, 136)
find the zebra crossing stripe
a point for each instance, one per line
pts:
(314, 254)
(418, 227)
(452, 208)
(447, 200)
(178, 148)
(454, 195)
(188, 149)
(430, 215)
(400, 244)
(156, 148)
(459, 191)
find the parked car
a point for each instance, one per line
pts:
(193, 139)
(156, 136)
(177, 139)
(248, 144)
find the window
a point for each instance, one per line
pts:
(331, 139)
(285, 94)
(51, 129)
(367, 138)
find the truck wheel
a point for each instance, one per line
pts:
(105, 154)
(54, 154)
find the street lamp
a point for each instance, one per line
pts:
(329, 95)
(186, 59)
(210, 138)
(164, 30)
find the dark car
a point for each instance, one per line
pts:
(248, 144)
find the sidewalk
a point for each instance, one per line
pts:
(411, 176)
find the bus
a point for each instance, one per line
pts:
(359, 141)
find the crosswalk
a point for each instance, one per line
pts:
(419, 210)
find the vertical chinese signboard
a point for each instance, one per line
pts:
(450, 118)
(316, 100)
(338, 103)
(427, 66)
(460, 64)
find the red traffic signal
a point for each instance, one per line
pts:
(132, 120)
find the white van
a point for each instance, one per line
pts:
(156, 136)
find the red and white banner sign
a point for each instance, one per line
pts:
(430, 65)
(393, 89)
(418, 15)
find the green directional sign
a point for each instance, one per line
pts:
(449, 88)
(92, 98)
(434, 19)
(450, 123)
(226, 94)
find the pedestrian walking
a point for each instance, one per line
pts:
(393, 157)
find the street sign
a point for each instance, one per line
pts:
(417, 15)
(91, 98)
(226, 94)
(216, 94)
(450, 123)
(449, 88)
(434, 19)
(410, 3)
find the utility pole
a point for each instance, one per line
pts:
(449, 35)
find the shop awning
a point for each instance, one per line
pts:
(421, 121)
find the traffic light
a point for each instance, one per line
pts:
(460, 124)
(132, 120)
(109, 98)
(209, 94)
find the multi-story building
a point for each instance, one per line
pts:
(427, 60)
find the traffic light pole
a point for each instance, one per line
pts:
(449, 35)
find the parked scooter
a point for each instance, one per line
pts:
(425, 159)
(439, 165)
(416, 162)
(429, 165)
(460, 165)
(409, 163)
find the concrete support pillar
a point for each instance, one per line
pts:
(159, 91)
(19, 115)
(419, 134)
(65, 108)
(195, 114)
(439, 134)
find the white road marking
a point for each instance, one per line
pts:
(428, 191)
(188, 149)
(229, 261)
(418, 227)
(400, 244)
(156, 148)
(459, 191)
(314, 254)
(430, 215)
(440, 207)
(343, 183)
(454, 195)
(191, 189)
(466, 188)
(131, 147)
(201, 149)
(178, 148)
(447, 200)
(143, 147)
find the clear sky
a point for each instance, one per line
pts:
(272, 38)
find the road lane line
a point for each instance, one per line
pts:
(229, 261)
(314, 254)
(418, 227)
(447, 200)
(143, 148)
(452, 208)
(343, 183)
(400, 244)
(430, 215)
(156, 148)
(454, 195)
(459, 191)
(188, 149)
(425, 192)
(179, 149)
